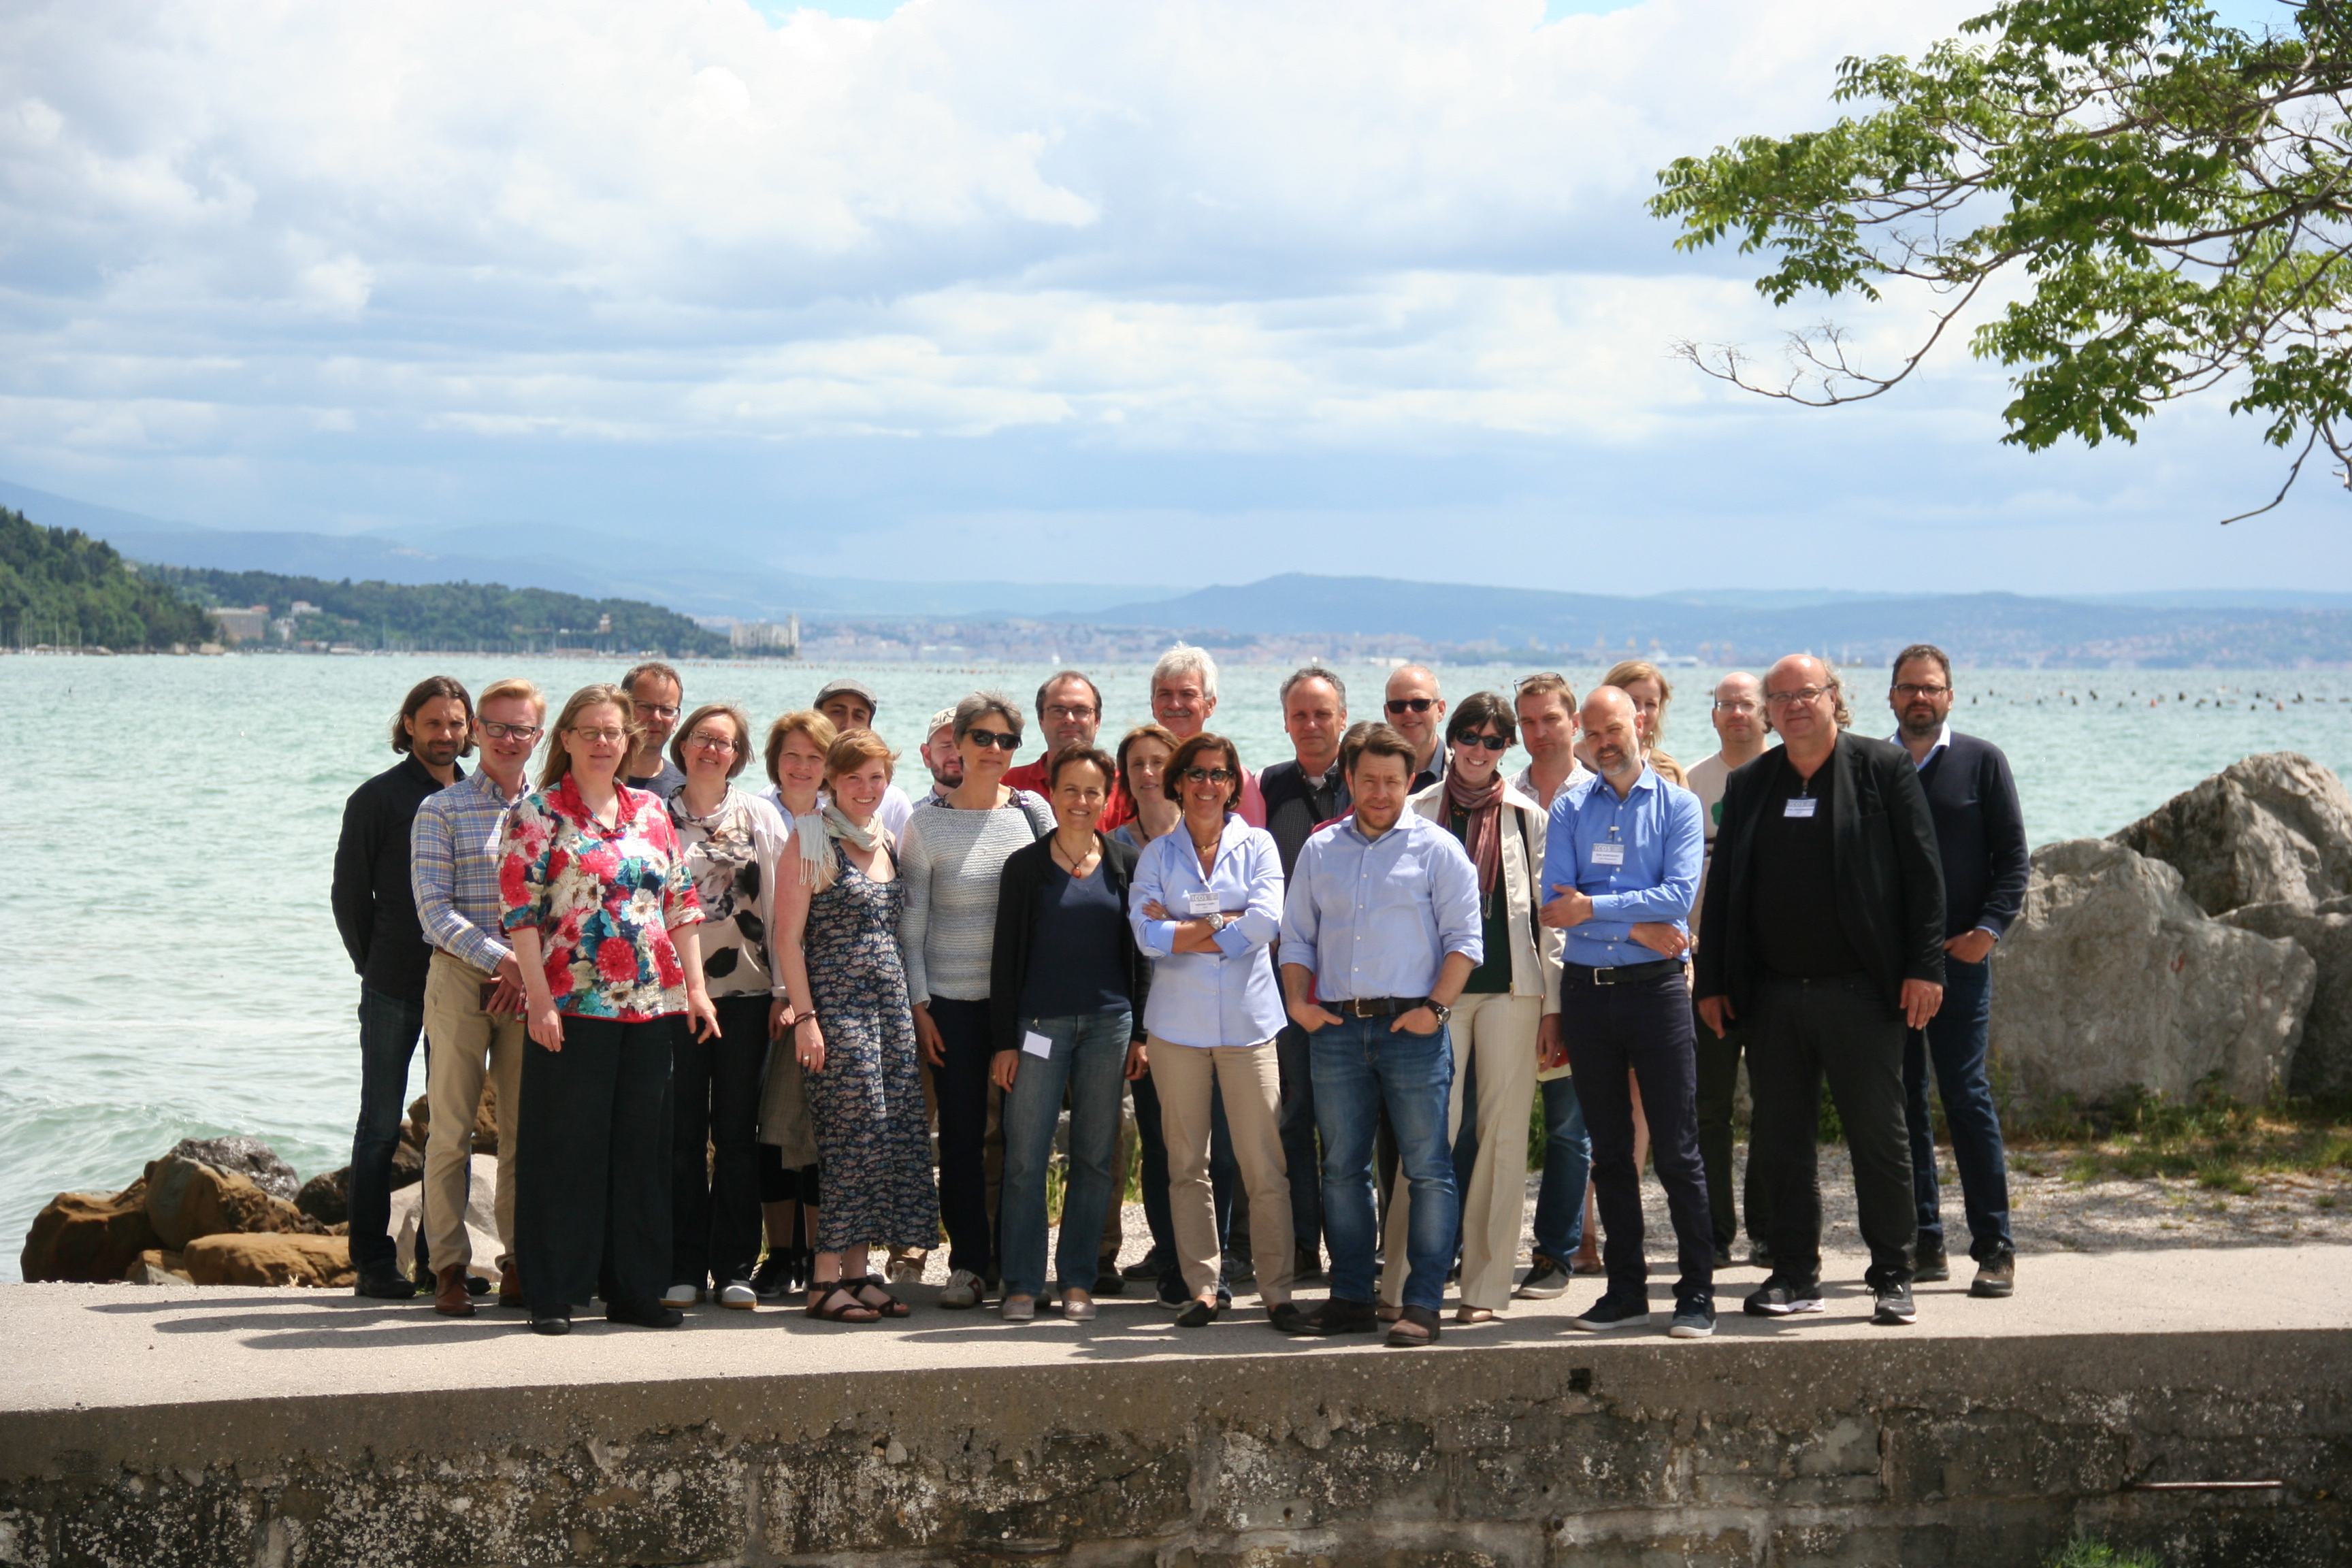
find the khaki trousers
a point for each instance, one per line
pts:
(1251, 1082)
(462, 1040)
(1499, 1030)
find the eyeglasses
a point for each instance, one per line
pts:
(603, 737)
(498, 731)
(1492, 743)
(1905, 689)
(1790, 699)
(1208, 775)
(1070, 715)
(1735, 707)
(656, 711)
(710, 741)
(1409, 704)
(991, 738)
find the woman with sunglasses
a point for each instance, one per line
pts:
(1499, 1016)
(1206, 904)
(953, 859)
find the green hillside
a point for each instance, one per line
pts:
(60, 586)
(487, 618)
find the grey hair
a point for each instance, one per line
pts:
(1186, 659)
(980, 705)
(1314, 672)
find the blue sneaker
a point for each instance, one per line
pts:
(1694, 1320)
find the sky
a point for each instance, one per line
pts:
(1051, 290)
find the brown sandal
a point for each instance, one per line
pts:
(851, 1311)
(890, 1306)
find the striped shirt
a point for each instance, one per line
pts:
(453, 870)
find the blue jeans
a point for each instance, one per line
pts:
(390, 1028)
(1089, 1060)
(1363, 1065)
(1297, 1122)
(1955, 1038)
(1567, 1166)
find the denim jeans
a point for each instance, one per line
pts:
(1089, 1060)
(1567, 1166)
(1955, 1038)
(389, 1030)
(1360, 1066)
(1299, 1149)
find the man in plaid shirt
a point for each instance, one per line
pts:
(473, 990)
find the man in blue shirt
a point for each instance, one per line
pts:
(1380, 929)
(1621, 861)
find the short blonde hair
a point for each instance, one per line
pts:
(558, 766)
(800, 721)
(516, 687)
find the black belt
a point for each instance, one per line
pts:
(1622, 973)
(1376, 1007)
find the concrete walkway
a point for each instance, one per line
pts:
(97, 1346)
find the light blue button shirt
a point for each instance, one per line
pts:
(1228, 997)
(1656, 842)
(1376, 917)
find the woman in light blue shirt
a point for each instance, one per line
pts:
(1206, 904)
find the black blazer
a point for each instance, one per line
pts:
(1016, 918)
(1890, 878)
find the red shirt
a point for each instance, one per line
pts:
(1031, 777)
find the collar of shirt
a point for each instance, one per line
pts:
(1943, 739)
(1593, 784)
(423, 775)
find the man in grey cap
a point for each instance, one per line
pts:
(851, 705)
(941, 756)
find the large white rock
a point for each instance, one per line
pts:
(2323, 1063)
(2273, 828)
(2114, 977)
(482, 1219)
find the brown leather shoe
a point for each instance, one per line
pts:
(509, 1284)
(450, 1297)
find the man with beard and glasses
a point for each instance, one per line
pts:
(656, 691)
(1069, 714)
(375, 912)
(1416, 711)
(1981, 843)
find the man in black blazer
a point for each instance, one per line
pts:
(1825, 929)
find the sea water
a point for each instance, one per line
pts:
(173, 968)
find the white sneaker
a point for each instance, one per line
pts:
(963, 1289)
(682, 1295)
(738, 1295)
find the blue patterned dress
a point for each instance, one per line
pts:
(868, 1104)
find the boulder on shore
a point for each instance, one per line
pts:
(481, 1221)
(322, 1261)
(88, 1237)
(2273, 828)
(156, 1267)
(2323, 1063)
(187, 1199)
(327, 1196)
(250, 1157)
(2112, 978)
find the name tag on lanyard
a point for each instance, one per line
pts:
(1800, 805)
(1609, 854)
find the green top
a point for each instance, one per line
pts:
(1494, 976)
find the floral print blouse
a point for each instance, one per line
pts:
(603, 900)
(733, 856)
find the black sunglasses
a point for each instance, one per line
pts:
(1408, 704)
(1492, 743)
(1208, 775)
(991, 738)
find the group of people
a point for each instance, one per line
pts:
(721, 1021)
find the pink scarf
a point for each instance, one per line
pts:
(1481, 835)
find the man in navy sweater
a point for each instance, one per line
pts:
(1980, 836)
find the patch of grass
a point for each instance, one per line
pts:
(2221, 1144)
(2324, 1201)
(2082, 1552)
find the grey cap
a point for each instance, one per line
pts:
(939, 720)
(847, 688)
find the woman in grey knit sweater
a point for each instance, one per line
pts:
(953, 857)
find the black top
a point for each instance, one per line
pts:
(376, 909)
(664, 783)
(1424, 777)
(1295, 806)
(1493, 975)
(1021, 893)
(1079, 922)
(1888, 891)
(1797, 933)
(1979, 834)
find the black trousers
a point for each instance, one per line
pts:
(1718, 1093)
(591, 1166)
(1843, 1030)
(714, 1172)
(961, 1086)
(1643, 1025)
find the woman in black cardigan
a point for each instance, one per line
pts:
(1065, 1001)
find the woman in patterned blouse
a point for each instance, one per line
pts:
(602, 913)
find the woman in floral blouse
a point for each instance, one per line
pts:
(602, 913)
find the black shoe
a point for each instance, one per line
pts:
(1932, 1266)
(1996, 1278)
(1151, 1265)
(1783, 1298)
(476, 1284)
(1171, 1292)
(1722, 1258)
(1242, 1273)
(1108, 1281)
(1759, 1255)
(1548, 1281)
(1693, 1319)
(644, 1314)
(1199, 1314)
(387, 1286)
(1610, 1313)
(1337, 1317)
(1895, 1306)
(773, 1280)
(1419, 1317)
(550, 1320)
(800, 1267)
(1287, 1319)
(1224, 1298)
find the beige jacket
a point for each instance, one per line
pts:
(1536, 949)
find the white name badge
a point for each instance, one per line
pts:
(1609, 854)
(1036, 1045)
(1204, 903)
(1800, 805)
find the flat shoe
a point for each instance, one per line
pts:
(1199, 1314)
(1414, 1327)
(1473, 1315)
(1388, 1314)
(1078, 1311)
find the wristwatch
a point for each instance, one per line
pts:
(1219, 922)
(1444, 1013)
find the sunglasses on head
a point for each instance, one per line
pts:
(993, 738)
(1492, 743)
(1409, 704)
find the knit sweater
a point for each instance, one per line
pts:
(954, 862)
